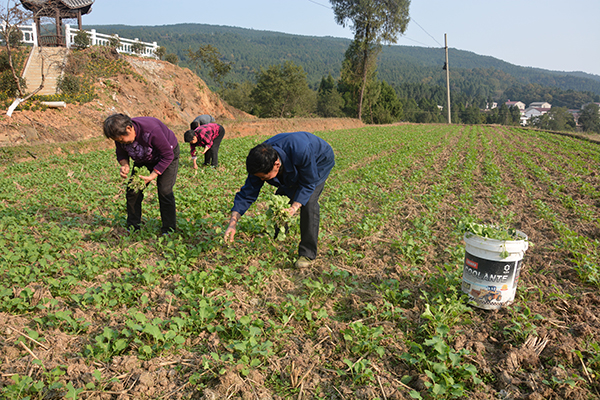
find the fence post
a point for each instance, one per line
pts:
(35, 34)
(93, 37)
(68, 35)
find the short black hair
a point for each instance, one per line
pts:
(194, 125)
(188, 136)
(115, 126)
(261, 159)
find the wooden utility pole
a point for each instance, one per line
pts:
(447, 68)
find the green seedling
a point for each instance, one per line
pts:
(278, 218)
(489, 231)
(136, 183)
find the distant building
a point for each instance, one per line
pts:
(518, 104)
(575, 114)
(540, 104)
(531, 112)
(598, 104)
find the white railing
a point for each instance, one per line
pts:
(125, 45)
(96, 39)
(28, 31)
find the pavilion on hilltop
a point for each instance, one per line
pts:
(59, 10)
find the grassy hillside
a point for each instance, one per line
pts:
(250, 50)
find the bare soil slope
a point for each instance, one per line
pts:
(173, 94)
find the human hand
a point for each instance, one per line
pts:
(124, 171)
(149, 178)
(229, 234)
(293, 208)
(205, 149)
(230, 231)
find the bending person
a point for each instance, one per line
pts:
(148, 142)
(202, 120)
(208, 136)
(298, 164)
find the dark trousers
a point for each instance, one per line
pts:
(211, 157)
(166, 198)
(310, 217)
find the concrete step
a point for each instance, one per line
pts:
(53, 59)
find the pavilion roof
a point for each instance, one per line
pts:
(67, 8)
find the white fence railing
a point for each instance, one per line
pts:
(28, 31)
(96, 39)
(101, 39)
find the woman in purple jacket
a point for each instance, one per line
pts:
(148, 142)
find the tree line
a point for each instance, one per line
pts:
(248, 50)
(271, 74)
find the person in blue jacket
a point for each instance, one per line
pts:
(298, 164)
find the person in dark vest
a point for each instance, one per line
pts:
(202, 120)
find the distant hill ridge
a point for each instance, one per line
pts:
(249, 50)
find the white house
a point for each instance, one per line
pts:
(518, 104)
(531, 112)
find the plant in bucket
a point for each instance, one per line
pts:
(493, 258)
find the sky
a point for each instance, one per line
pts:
(553, 34)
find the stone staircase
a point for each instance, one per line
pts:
(53, 60)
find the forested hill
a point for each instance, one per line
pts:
(249, 50)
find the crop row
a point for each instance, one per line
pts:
(383, 301)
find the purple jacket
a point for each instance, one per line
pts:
(153, 144)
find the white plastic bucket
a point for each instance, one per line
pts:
(489, 278)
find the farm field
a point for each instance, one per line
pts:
(88, 311)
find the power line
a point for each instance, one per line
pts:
(416, 41)
(319, 4)
(413, 20)
(404, 37)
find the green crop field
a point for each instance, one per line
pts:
(88, 311)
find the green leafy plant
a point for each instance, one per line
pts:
(108, 344)
(360, 370)
(449, 377)
(135, 182)
(81, 40)
(522, 324)
(278, 219)
(363, 340)
(490, 231)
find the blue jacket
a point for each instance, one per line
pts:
(306, 161)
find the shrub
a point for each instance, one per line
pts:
(138, 48)
(160, 52)
(114, 42)
(172, 58)
(70, 84)
(15, 37)
(81, 40)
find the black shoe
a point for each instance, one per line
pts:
(133, 228)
